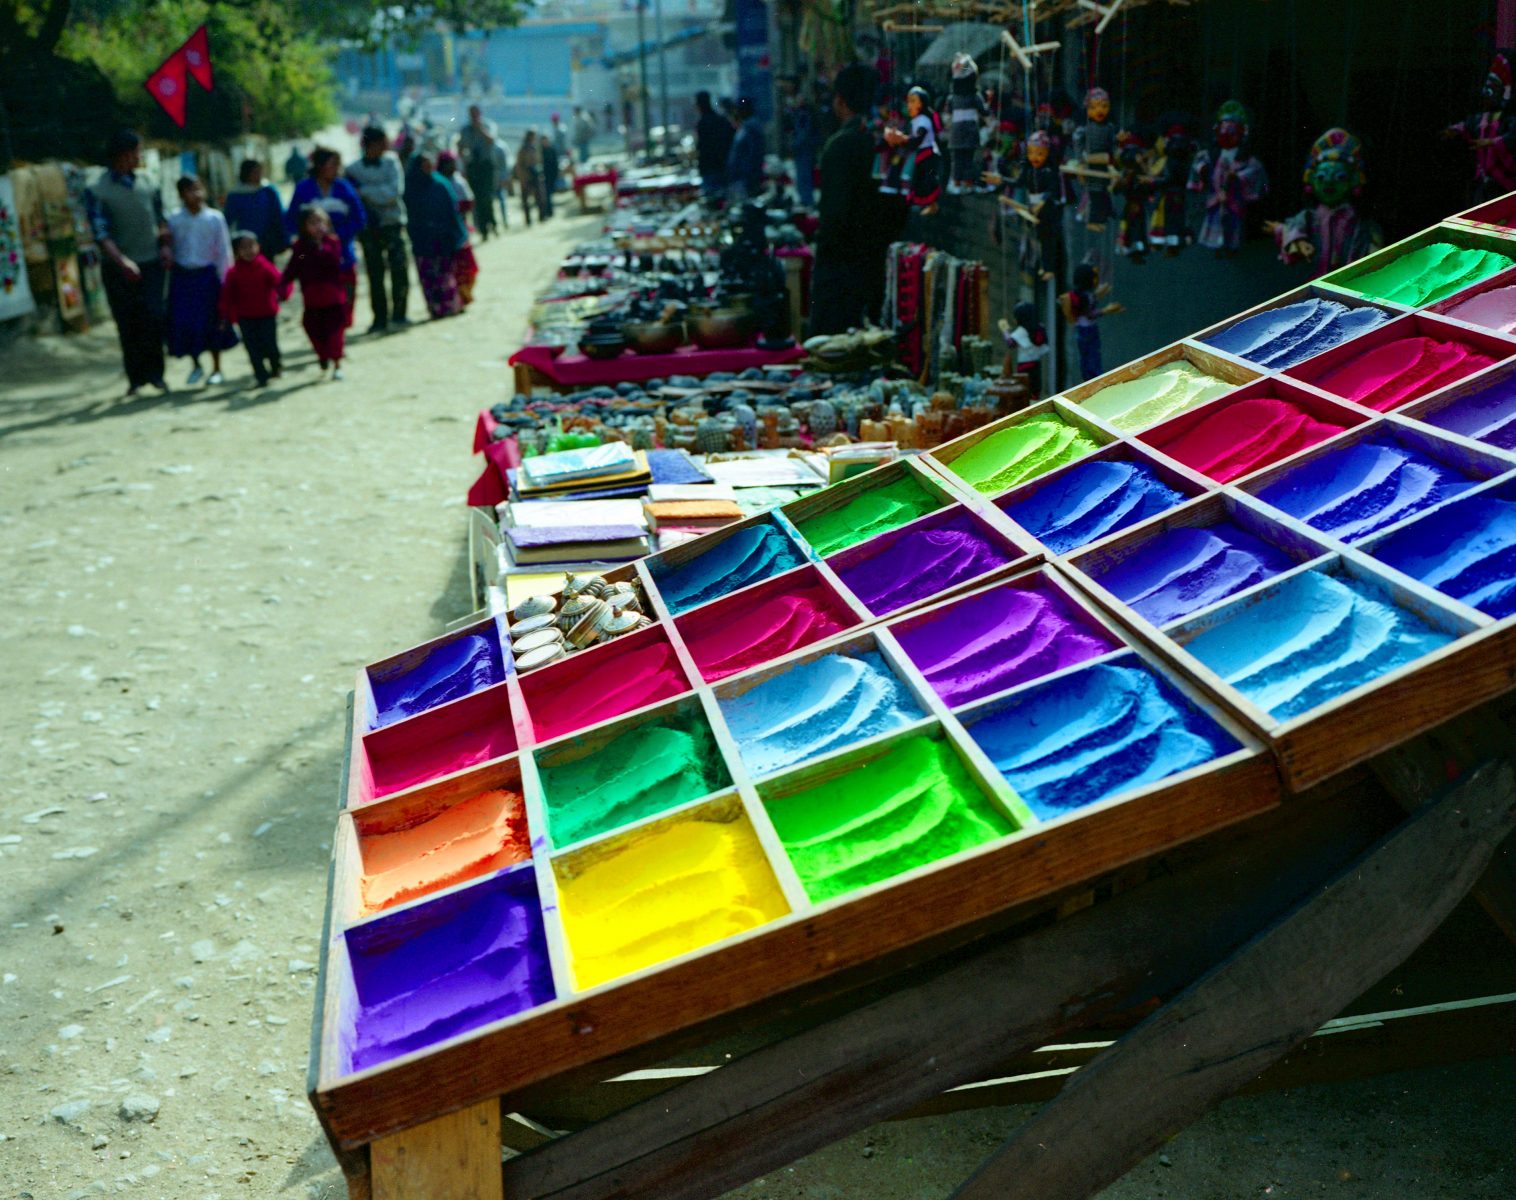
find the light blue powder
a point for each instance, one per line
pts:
(1466, 550)
(1091, 501)
(1352, 492)
(1311, 639)
(816, 707)
(1096, 732)
(756, 553)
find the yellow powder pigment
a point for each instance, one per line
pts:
(662, 892)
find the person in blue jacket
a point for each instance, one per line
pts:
(324, 187)
(254, 206)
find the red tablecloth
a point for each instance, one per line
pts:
(583, 181)
(492, 487)
(572, 369)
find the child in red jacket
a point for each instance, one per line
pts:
(317, 263)
(250, 296)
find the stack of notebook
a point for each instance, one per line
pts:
(559, 531)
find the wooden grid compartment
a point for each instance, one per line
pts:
(1497, 216)
(1473, 408)
(1311, 291)
(1344, 280)
(1203, 358)
(942, 458)
(387, 677)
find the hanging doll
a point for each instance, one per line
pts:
(1081, 308)
(1491, 132)
(1330, 230)
(891, 160)
(1026, 345)
(1134, 186)
(1171, 171)
(1037, 193)
(965, 109)
(1094, 148)
(923, 151)
(1230, 179)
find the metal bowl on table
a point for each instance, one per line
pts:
(603, 346)
(654, 337)
(723, 329)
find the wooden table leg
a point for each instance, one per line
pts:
(456, 1157)
(1266, 999)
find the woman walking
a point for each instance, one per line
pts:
(437, 234)
(528, 175)
(465, 265)
(202, 249)
(328, 190)
(316, 263)
(255, 206)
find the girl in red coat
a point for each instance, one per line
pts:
(250, 296)
(317, 264)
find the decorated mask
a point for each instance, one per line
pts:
(1097, 105)
(1231, 125)
(1334, 168)
(1038, 147)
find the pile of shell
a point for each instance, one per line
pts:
(591, 611)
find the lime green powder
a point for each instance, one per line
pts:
(1021, 452)
(1428, 274)
(875, 511)
(647, 770)
(915, 805)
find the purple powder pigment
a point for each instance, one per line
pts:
(1487, 416)
(922, 563)
(999, 639)
(1183, 570)
(448, 966)
(449, 672)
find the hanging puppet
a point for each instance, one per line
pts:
(1134, 187)
(1039, 202)
(1229, 178)
(1171, 172)
(920, 147)
(1330, 230)
(1026, 346)
(965, 109)
(1081, 308)
(1095, 149)
(1491, 132)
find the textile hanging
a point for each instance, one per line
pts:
(15, 290)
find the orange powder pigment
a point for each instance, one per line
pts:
(478, 836)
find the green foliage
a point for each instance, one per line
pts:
(270, 76)
(371, 25)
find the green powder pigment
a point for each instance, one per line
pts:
(915, 805)
(872, 512)
(646, 770)
(1021, 452)
(1428, 274)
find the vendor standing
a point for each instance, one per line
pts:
(476, 147)
(847, 283)
(713, 142)
(126, 213)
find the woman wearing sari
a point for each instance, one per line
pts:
(437, 233)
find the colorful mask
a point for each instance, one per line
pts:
(1231, 125)
(1097, 105)
(1334, 168)
(1496, 93)
(1038, 147)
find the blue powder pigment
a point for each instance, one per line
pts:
(448, 672)
(1466, 550)
(1488, 416)
(1311, 639)
(1282, 337)
(1090, 501)
(1183, 570)
(815, 708)
(756, 553)
(1095, 732)
(1351, 492)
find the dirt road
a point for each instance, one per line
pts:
(192, 581)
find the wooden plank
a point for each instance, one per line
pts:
(456, 1157)
(1257, 1006)
(785, 1100)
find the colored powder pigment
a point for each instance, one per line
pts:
(660, 893)
(436, 750)
(1021, 452)
(815, 708)
(1092, 734)
(1282, 337)
(1352, 492)
(1466, 550)
(875, 511)
(646, 770)
(922, 563)
(1236, 439)
(1162, 393)
(1487, 416)
(1311, 639)
(997, 640)
(582, 692)
(1427, 275)
(914, 805)
(446, 967)
(1394, 372)
(1494, 309)
(1183, 570)
(748, 556)
(752, 631)
(476, 837)
(1091, 501)
(448, 672)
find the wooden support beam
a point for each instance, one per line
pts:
(1266, 999)
(769, 1108)
(456, 1157)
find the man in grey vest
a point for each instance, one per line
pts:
(126, 211)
